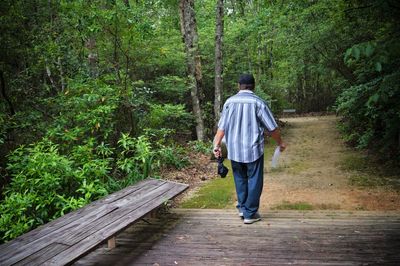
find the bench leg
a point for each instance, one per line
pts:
(153, 213)
(111, 243)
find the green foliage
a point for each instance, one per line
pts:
(370, 109)
(45, 185)
(201, 146)
(170, 89)
(85, 109)
(168, 116)
(173, 156)
(136, 157)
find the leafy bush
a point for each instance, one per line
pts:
(86, 110)
(172, 156)
(201, 146)
(371, 115)
(136, 157)
(44, 186)
(168, 116)
(170, 88)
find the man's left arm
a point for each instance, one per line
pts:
(276, 135)
(270, 124)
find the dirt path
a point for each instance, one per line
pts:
(310, 173)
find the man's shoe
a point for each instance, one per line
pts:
(240, 213)
(255, 218)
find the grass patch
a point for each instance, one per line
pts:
(304, 206)
(219, 193)
(297, 167)
(300, 206)
(367, 172)
(354, 162)
(366, 180)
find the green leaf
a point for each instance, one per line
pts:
(378, 66)
(369, 50)
(373, 99)
(355, 51)
(347, 54)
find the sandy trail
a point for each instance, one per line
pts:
(309, 172)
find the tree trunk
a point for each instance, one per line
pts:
(92, 57)
(48, 72)
(190, 38)
(219, 35)
(60, 69)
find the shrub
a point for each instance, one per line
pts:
(44, 186)
(168, 116)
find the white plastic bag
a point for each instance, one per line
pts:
(275, 157)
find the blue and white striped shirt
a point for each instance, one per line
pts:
(244, 118)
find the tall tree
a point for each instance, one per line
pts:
(219, 34)
(190, 38)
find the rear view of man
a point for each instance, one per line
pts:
(244, 119)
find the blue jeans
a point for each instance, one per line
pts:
(249, 181)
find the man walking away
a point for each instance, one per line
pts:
(244, 118)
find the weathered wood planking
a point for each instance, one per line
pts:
(219, 237)
(66, 239)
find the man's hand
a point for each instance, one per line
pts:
(217, 152)
(282, 146)
(276, 135)
(217, 143)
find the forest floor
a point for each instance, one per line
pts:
(317, 171)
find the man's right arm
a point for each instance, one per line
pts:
(217, 143)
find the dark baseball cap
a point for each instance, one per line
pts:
(246, 79)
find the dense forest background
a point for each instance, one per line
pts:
(98, 94)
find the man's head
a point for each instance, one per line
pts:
(246, 82)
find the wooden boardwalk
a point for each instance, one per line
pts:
(218, 237)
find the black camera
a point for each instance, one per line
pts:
(222, 169)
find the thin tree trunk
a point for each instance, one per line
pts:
(115, 54)
(48, 72)
(219, 35)
(190, 38)
(260, 57)
(92, 57)
(60, 69)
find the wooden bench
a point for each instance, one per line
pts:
(289, 111)
(74, 235)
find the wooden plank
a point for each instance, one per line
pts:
(116, 226)
(42, 255)
(12, 254)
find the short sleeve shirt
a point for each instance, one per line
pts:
(244, 118)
